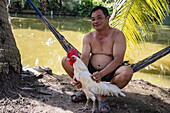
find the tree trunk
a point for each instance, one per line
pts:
(10, 60)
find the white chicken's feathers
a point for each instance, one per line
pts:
(82, 74)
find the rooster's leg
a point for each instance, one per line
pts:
(89, 95)
(93, 98)
(87, 103)
(93, 109)
(85, 107)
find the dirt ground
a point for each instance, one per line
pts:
(51, 94)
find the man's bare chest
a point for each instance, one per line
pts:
(103, 45)
(102, 41)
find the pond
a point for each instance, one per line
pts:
(39, 47)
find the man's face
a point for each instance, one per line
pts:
(99, 20)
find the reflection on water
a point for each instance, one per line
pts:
(38, 46)
(59, 22)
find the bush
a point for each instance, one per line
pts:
(83, 7)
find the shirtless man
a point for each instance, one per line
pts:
(103, 52)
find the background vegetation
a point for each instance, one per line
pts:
(68, 7)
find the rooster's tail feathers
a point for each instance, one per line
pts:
(110, 89)
(122, 94)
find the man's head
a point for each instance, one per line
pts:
(99, 18)
(104, 10)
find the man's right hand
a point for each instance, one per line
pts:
(77, 83)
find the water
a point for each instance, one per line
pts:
(39, 47)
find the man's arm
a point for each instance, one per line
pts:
(85, 56)
(119, 48)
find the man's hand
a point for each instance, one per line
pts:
(77, 83)
(96, 76)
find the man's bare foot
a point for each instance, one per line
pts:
(103, 105)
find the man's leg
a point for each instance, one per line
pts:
(67, 67)
(77, 97)
(122, 76)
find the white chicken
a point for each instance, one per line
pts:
(89, 86)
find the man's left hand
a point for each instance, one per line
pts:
(96, 76)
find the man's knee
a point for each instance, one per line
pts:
(126, 73)
(64, 61)
(67, 67)
(122, 76)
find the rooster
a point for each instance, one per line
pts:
(89, 86)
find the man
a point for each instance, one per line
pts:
(103, 52)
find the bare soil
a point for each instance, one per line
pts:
(51, 94)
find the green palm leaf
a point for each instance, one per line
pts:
(136, 18)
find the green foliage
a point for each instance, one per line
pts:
(136, 19)
(76, 7)
(22, 2)
(83, 7)
(108, 5)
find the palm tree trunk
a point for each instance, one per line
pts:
(10, 60)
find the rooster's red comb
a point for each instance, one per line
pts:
(72, 52)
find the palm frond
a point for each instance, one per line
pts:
(135, 18)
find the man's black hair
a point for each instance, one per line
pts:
(104, 10)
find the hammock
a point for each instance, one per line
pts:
(67, 46)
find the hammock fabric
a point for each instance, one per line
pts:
(67, 46)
